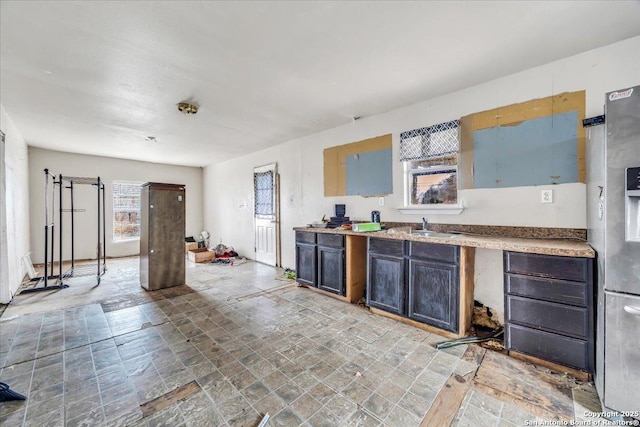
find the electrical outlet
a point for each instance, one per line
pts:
(380, 201)
(547, 196)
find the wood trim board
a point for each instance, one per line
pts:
(515, 115)
(356, 266)
(467, 263)
(335, 164)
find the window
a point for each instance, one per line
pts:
(126, 210)
(263, 187)
(430, 157)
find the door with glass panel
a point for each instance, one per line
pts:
(265, 189)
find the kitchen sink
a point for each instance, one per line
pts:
(429, 233)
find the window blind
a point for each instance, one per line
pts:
(433, 141)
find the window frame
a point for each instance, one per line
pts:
(411, 172)
(271, 188)
(113, 211)
(446, 161)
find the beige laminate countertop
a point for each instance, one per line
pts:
(560, 247)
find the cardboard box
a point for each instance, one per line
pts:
(201, 255)
(189, 246)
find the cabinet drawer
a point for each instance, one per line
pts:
(434, 251)
(547, 289)
(577, 269)
(387, 247)
(557, 348)
(551, 316)
(305, 237)
(330, 240)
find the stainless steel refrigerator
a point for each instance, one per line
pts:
(613, 217)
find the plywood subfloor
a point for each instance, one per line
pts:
(534, 389)
(502, 382)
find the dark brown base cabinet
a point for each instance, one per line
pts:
(415, 280)
(549, 308)
(320, 261)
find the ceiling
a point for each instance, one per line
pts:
(100, 77)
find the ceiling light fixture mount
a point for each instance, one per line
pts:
(187, 108)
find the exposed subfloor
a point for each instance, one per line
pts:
(238, 342)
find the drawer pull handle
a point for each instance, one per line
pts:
(632, 310)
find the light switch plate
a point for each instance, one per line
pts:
(380, 201)
(547, 196)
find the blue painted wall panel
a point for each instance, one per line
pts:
(536, 152)
(369, 173)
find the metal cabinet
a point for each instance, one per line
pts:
(162, 231)
(549, 308)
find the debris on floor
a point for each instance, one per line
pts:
(492, 336)
(6, 394)
(229, 260)
(289, 273)
(484, 316)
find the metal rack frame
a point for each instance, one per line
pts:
(49, 231)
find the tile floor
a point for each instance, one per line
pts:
(248, 343)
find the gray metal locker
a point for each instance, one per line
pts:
(162, 231)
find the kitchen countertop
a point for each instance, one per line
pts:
(560, 247)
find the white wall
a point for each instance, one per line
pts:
(17, 206)
(228, 208)
(85, 197)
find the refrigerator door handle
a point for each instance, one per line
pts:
(632, 310)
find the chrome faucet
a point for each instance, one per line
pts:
(425, 224)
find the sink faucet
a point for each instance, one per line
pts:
(425, 223)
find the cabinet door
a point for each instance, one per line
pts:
(433, 294)
(385, 284)
(306, 264)
(331, 270)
